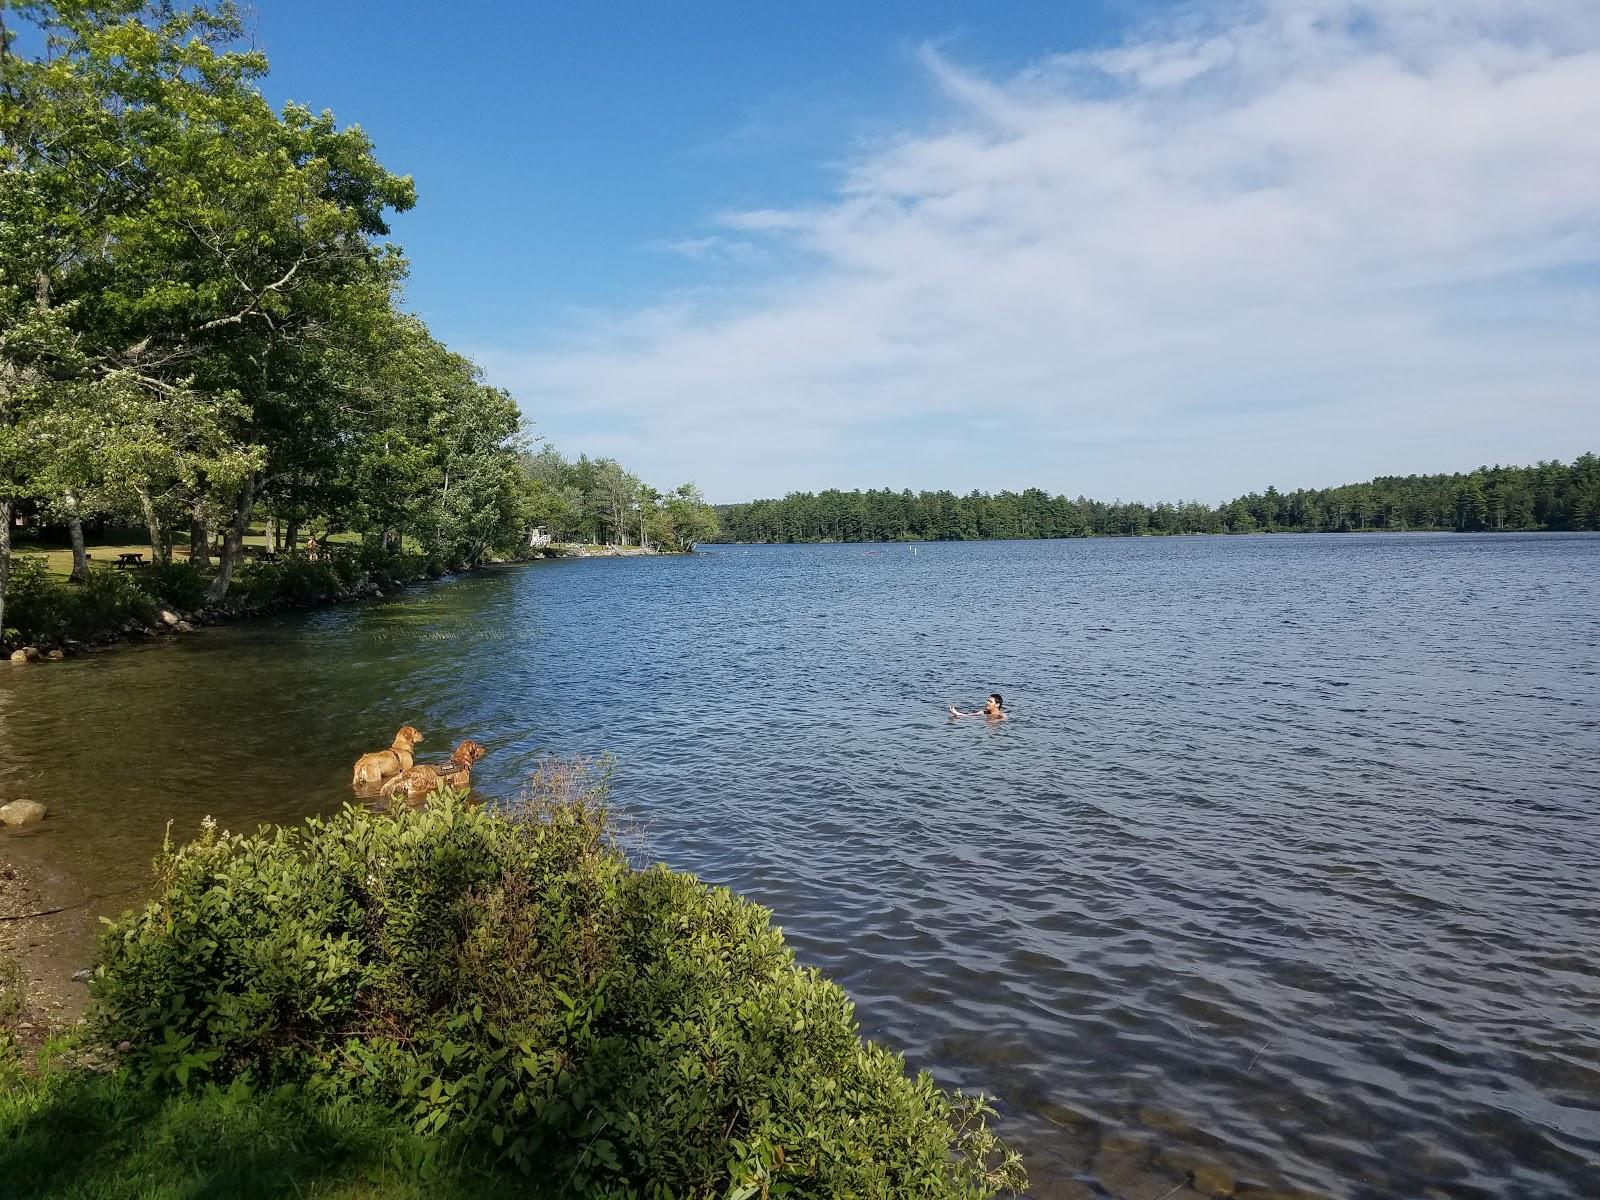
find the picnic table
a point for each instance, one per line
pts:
(126, 562)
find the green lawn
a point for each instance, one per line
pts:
(59, 558)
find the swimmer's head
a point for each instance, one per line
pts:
(999, 701)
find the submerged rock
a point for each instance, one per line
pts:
(1213, 1180)
(56, 655)
(22, 812)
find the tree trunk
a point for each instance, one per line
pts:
(80, 556)
(292, 534)
(159, 549)
(233, 541)
(199, 536)
(5, 559)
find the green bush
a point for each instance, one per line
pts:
(507, 980)
(43, 607)
(180, 584)
(296, 579)
(292, 580)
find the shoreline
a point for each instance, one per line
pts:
(171, 620)
(29, 909)
(51, 998)
(1127, 1162)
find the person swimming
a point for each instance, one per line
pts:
(994, 708)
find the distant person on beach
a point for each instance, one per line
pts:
(994, 708)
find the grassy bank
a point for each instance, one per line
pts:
(455, 1001)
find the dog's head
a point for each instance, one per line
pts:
(467, 753)
(408, 736)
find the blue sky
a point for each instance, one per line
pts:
(1126, 249)
(560, 149)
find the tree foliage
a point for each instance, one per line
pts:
(200, 320)
(199, 306)
(596, 500)
(1548, 496)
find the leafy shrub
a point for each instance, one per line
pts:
(180, 584)
(292, 580)
(407, 565)
(298, 580)
(508, 980)
(43, 607)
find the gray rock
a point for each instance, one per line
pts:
(83, 975)
(27, 654)
(168, 617)
(184, 627)
(22, 812)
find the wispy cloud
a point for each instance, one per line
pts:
(714, 249)
(1283, 240)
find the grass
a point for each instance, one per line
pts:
(60, 561)
(59, 558)
(77, 1135)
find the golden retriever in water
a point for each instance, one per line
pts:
(373, 769)
(416, 782)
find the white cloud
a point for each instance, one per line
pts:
(713, 249)
(1294, 241)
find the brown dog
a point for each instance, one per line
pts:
(416, 782)
(372, 769)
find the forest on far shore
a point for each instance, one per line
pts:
(1546, 496)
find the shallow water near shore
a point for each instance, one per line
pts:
(1283, 873)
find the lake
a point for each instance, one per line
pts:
(1283, 872)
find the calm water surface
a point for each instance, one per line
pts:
(1287, 862)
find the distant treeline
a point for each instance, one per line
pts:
(1547, 496)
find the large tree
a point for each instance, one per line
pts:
(200, 255)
